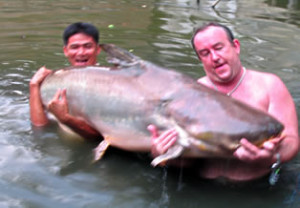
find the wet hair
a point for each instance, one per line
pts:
(213, 24)
(80, 27)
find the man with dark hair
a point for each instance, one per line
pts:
(219, 53)
(81, 48)
(81, 27)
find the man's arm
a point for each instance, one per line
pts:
(281, 107)
(59, 107)
(37, 112)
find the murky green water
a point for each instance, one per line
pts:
(39, 169)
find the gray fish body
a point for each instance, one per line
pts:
(121, 103)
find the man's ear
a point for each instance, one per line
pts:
(99, 49)
(237, 45)
(65, 51)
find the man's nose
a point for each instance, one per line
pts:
(81, 50)
(214, 56)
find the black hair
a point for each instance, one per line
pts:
(80, 27)
(203, 27)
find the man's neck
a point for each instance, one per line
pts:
(231, 86)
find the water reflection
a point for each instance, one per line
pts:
(290, 4)
(39, 169)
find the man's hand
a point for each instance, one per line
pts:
(37, 114)
(39, 76)
(265, 155)
(59, 105)
(161, 143)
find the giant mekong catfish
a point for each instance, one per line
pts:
(121, 101)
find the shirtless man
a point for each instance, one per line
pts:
(81, 48)
(219, 52)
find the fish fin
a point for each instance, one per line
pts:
(119, 56)
(100, 150)
(173, 152)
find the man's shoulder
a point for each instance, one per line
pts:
(268, 82)
(203, 80)
(266, 77)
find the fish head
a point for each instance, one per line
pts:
(215, 124)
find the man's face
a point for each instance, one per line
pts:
(219, 56)
(81, 50)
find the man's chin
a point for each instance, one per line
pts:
(223, 73)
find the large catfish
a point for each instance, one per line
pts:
(121, 101)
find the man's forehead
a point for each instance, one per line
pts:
(80, 42)
(211, 31)
(81, 39)
(211, 35)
